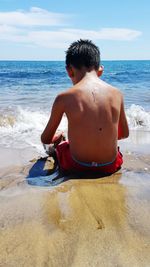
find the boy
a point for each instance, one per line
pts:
(95, 113)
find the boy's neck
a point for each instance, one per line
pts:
(83, 73)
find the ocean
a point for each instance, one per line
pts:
(28, 89)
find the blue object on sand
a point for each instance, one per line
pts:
(39, 176)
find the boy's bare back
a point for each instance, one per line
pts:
(95, 113)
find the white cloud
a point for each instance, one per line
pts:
(7, 30)
(14, 34)
(23, 27)
(34, 17)
(62, 38)
(119, 34)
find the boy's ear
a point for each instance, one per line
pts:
(70, 72)
(100, 71)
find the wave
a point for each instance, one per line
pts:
(120, 73)
(24, 127)
(21, 129)
(31, 75)
(138, 118)
(127, 76)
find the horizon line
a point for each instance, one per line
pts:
(47, 60)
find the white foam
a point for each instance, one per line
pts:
(138, 118)
(24, 129)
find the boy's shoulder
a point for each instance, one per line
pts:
(64, 96)
(115, 90)
(70, 91)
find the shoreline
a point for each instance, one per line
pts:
(137, 143)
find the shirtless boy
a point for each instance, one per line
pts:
(95, 113)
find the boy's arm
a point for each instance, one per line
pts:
(53, 123)
(123, 129)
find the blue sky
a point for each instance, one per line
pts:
(43, 29)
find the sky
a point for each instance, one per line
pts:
(43, 29)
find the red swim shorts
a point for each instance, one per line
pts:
(67, 163)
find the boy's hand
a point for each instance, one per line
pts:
(58, 137)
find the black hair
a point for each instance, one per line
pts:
(83, 53)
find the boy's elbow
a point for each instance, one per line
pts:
(125, 135)
(43, 139)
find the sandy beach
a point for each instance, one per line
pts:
(79, 222)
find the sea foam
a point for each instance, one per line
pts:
(24, 127)
(138, 118)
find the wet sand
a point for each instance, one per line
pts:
(87, 222)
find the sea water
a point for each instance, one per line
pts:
(28, 89)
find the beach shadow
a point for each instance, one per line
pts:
(46, 172)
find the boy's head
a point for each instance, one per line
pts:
(83, 53)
